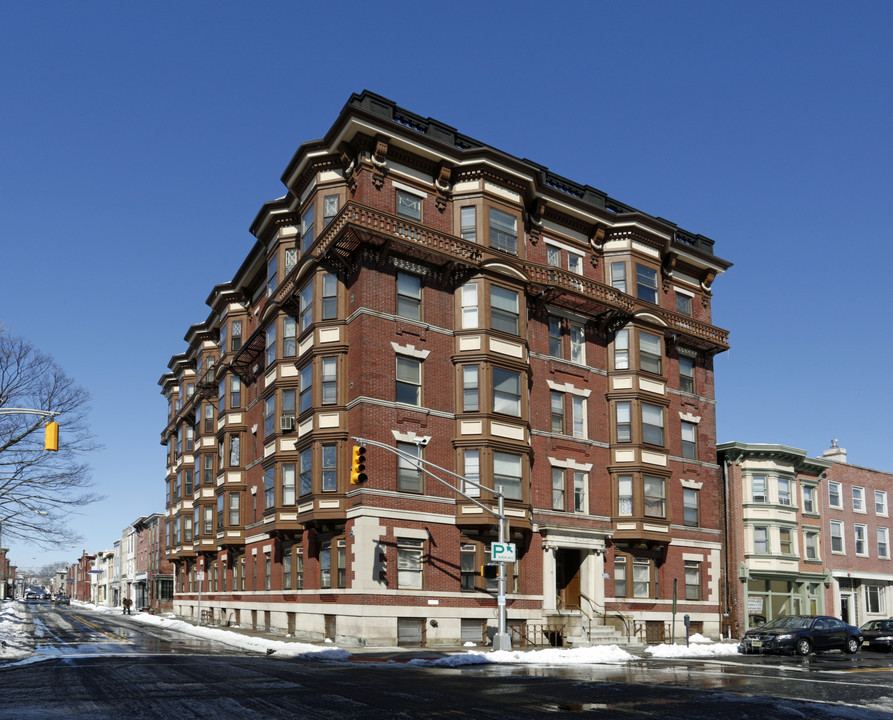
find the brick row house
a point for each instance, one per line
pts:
(806, 535)
(417, 288)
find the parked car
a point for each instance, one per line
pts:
(878, 635)
(802, 634)
(62, 600)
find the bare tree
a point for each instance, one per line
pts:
(39, 488)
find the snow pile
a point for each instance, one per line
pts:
(550, 656)
(15, 638)
(697, 649)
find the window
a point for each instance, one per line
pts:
(409, 206)
(858, 499)
(504, 314)
(883, 543)
(289, 337)
(272, 275)
(472, 464)
(409, 296)
(468, 223)
(409, 380)
(189, 439)
(308, 234)
(325, 564)
(578, 416)
(409, 563)
(692, 580)
(234, 454)
(299, 569)
(507, 475)
(271, 344)
(618, 276)
(758, 489)
(503, 231)
(575, 263)
(621, 350)
(286, 569)
(329, 296)
(470, 397)
(650, 353)
(624, 422)
(236, 339)
(234, 509)
(860, 532)
(291, 259)
(329, 209)
(784, 491)
(837, 536)
(306, 306)
(785, 544)
(641, 578)
(288, 484)
(834, 495)
(288, 403)
(620, 576)
(305, 479)
(469, 300)
(683, 304)
(553, 256)
(580, 504)
(874, 595)
(269, 488)
(557, 404)
(578, 343)
(625, 495)
(305, 388)
(690, 512)
(558, 490)
(689, 440)
(655, 505)
(555, 337)
(208, 424)
(808, 499)
(506, 391)
(341, 563)
(646, 283)
(329, 384)
(208, 520)
(652, 424)
(811, 544)
(468, 566)
(761, 539)
(220, 507)
(329, 467)
(409, 474)
(880, 502)
(269, 416)
(686, 375)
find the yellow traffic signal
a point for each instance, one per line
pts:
(51, 438)
(358, 465)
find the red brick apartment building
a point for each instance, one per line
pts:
(805, 535)
(153, 582)
(420, 289)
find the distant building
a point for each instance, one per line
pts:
(153, 584)
(417, 288)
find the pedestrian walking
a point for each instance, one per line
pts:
(127, 602)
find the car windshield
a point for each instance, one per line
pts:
(788, 622)
(884, 625)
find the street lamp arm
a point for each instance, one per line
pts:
(29, 411)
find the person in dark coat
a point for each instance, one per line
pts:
(126, 602)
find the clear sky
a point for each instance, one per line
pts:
(139, 140)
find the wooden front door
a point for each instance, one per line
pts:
(568, 562)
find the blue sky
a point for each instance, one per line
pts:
(138, 142)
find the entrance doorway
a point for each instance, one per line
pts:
(568, 564)
(845, 607)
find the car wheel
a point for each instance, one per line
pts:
(852, 645)
(804, 647)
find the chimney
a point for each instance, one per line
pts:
(835, 453)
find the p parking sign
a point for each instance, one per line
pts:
(502, 552)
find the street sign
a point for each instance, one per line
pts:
(94, 572)
(502, 552)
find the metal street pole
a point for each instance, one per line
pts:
(501, 641)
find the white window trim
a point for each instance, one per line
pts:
(409, 189)
(839, 495)
(842, 550)
(865, 540)
(864, 509)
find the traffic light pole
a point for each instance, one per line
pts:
(502, 640)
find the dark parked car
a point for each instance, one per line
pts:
(62, 600)
(878, 635)
(802, 634)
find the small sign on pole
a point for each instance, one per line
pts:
(502, 552)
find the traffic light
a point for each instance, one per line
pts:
(51, 439)
(490, 572)
(358, 465)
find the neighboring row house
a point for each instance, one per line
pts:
(420, 289)
(805, 535)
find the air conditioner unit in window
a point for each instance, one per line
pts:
(286, 422)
